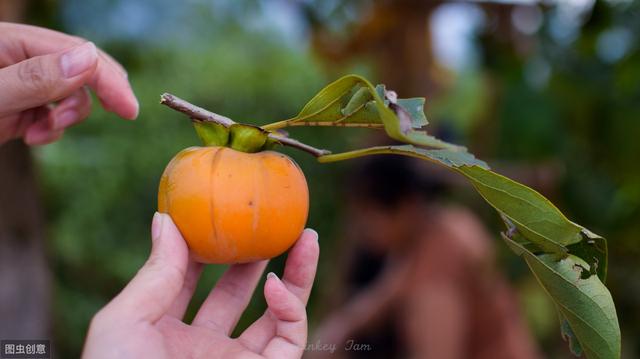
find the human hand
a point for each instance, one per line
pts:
(40, 68)
(145, 319)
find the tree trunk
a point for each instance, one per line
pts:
(25, 290)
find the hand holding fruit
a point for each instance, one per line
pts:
(145, 319)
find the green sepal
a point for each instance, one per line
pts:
(270, 144)
(211, 133)
(247, 138)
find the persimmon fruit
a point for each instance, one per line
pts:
(233, 206)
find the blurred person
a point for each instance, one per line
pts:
(420, 278)
(44, 77)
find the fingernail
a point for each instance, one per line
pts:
(272, 275)
(156, 226)
(64, 119)
(78, 60)
(313, 232)
(71, 101)
(137, 105)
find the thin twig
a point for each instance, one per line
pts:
(198, 113)
(193, 111)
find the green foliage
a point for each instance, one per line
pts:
(569, 261)
(353, 101)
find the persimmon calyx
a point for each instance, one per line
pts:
(217, 130)
(240, 137)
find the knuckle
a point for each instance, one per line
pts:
(37, 77)
(231, 288)
(165, 273)
(232, 291)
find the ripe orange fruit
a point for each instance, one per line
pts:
(232, 206)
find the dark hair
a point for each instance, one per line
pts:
(387, 180)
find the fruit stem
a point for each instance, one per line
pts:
(194, 112)
(198, 113)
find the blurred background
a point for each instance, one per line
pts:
(547, 92)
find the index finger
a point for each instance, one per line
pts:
(109, 81)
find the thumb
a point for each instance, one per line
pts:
(44, 79)
(151, 292)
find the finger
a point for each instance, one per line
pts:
(290, 319)
(180, 305)
(229, 298)
(302, 261)
(44, 79)
(113, 63)
(157, 284)
(114, 91)
(109, 81)
(299, 274)
(71, 110)
(39, 131)
(15, 126)
(35, 136)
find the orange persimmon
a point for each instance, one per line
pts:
(232, 206)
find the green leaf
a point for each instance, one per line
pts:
(357, 101)
(584, 302)
(534, 216)
(593, 249)
(346, 102)
(352, 101)
(415, 107)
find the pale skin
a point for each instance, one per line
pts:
(145, 319)
(45, 77)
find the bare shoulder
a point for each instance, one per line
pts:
(464, 230)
